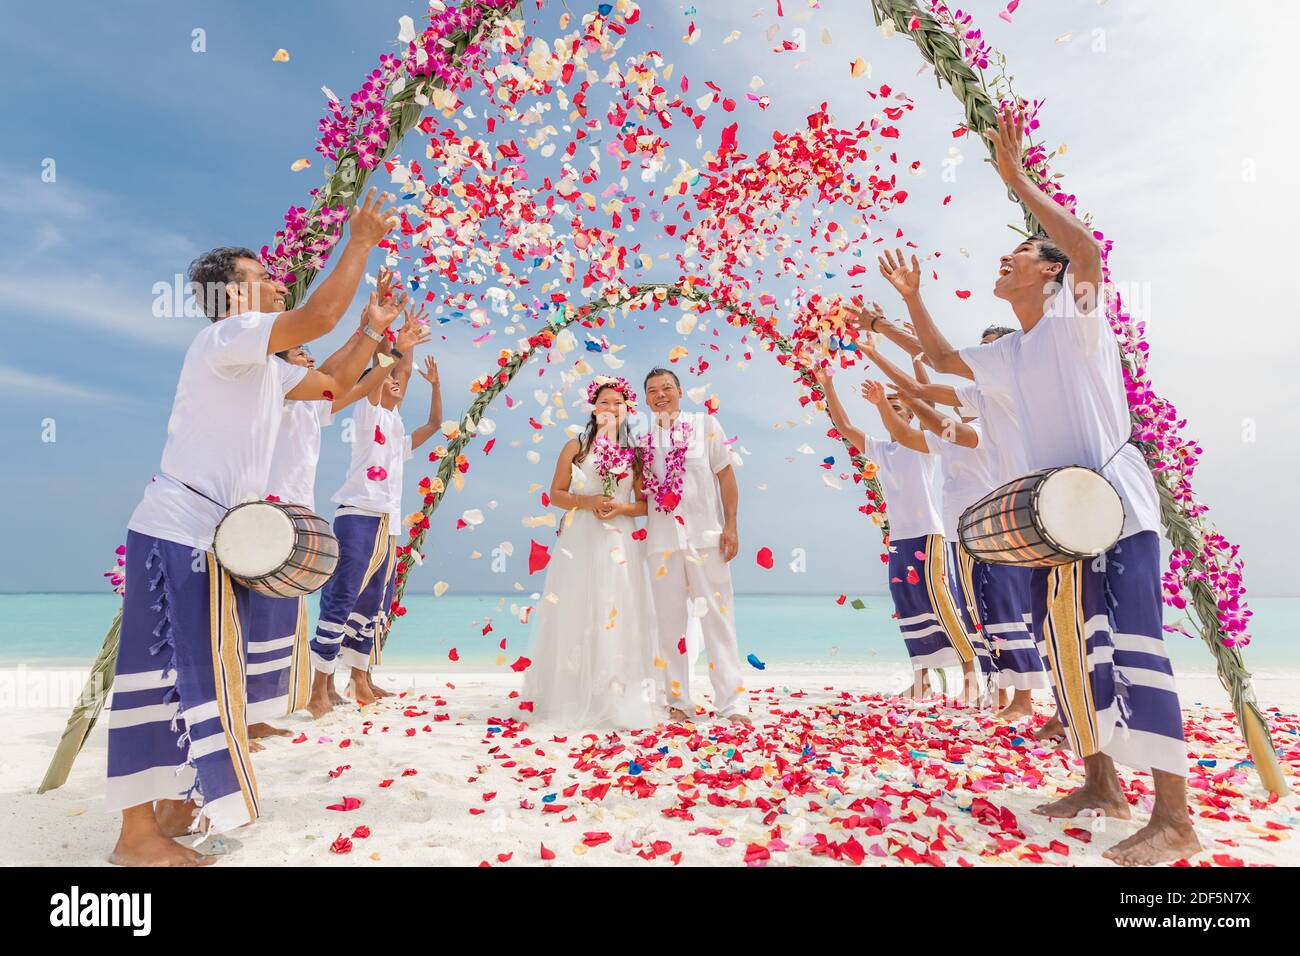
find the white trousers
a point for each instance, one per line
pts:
(695, 582)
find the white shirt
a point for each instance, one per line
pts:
(700, 509)
(1000, 435)
(222, 430)
(907, 478)
(966, 476)
(1068, 386)
(297, 452)
(379, 440)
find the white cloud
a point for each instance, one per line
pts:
(17, 381)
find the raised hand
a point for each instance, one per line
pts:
(370, 221)
(430, 371)
(415, 328)
(873, 392)
(1008, 143)
(380, 313)
(894, 268)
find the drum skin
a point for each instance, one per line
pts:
(276, 549)
(1009, 525)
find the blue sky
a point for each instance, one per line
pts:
(162, 152)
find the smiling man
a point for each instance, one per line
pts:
(178, 749)
(690, 484)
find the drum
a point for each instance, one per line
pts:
(276, 549)
(1050, 517)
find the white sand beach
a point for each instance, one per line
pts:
(445, 774)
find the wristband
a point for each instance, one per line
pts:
(370, 333)
(396, 352)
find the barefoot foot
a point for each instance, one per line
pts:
(1110, 802)
(266, 730)
(1050, 730)
(156, 850)
(175, 817)
(1157, 842)
(741, 719)
(1020, 707)
(320, 703)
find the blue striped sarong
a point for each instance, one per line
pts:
(1098, 624)
(177, 726)
(927, 614)
(279, 664)
(999, 595)
(350, 600)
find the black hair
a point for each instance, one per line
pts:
(1049, 251)
(209, 274)
(624, 437)
(997, 331)
(655, 372)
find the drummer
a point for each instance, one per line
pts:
(1099, 620)
(996, 596)
(927, 614)
(367, 524)
(178, 749)
(279, 664)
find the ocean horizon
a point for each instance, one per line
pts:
(66, 629)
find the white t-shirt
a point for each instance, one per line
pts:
(1068, 386)
(966, 476)
(700, 509)
(379, 441)
(1000, 435)
(222, 430)
(907, 478)
(297, 452)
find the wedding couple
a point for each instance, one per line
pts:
(610, 647)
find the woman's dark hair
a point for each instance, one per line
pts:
(1048, 251)
(209, 274)
(656, 372)
(588, 438)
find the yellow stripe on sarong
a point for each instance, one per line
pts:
(229, 684)
(300, 672)
(936, 552)
(966, 578)
(1065, 637)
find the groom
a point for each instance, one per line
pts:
(691, 494)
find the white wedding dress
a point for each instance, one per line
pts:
(594, 645)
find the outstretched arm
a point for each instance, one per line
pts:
(907, 281)
(1069, 233)
(369, 223)
(839, 417)
(430, 374)
(384, 288)
(911, 387)
(411, 334)
(898, 429)
(318, 385)
(949, 429)
(871, 320)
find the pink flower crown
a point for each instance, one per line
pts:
(617, 382)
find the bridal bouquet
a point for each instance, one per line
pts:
(613, 463)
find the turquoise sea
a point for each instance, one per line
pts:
(66, 630)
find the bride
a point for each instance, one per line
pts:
(593, 647)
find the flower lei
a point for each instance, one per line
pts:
(613, 462)
(666, 492)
